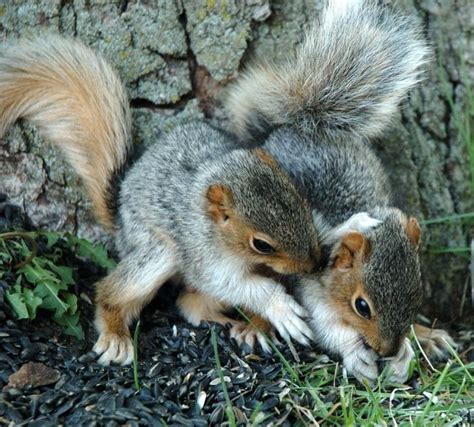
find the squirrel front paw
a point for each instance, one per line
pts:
(114, 348)
(362, 364)
(288, 318)
(399, 365)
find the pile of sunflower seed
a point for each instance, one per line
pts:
(178, 380)
(178, 376)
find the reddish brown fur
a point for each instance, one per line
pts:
(266, 157)
(113, 320)
(237, 233)
(260, 324)
(110, 310)
(220, 202)
(78, 103)
(413, 231)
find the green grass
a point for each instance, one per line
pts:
(441, 397)
(316, 393)
(448, 219)
(444, 391)
(136, 334)
(228, 409)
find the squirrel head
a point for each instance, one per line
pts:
(374, 280)
(260, 215)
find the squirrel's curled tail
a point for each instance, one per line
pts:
(347, 78)
(78, 103)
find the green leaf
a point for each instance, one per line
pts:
(18, 281)
(34, 273)
(96, 253)
(32, 302)
(71, 301)
(17, 303)
(24, 249)
(49, 291)
(71, 322)
(52, 238)
(65, 273)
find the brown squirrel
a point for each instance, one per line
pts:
(195, 206)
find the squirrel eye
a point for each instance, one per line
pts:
(262, 247)
(362, 308)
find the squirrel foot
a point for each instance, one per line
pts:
(114, 344)
(361, 363)
(114, 348)
(436, 343)
(258, 330)
(288, 318)
(399, 365)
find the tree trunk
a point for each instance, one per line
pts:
(175, 58)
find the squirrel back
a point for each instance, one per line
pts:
(78, 103)
(346, 79)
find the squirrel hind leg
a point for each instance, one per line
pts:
(197, 307)
(257, 330)
(436, 343)
(121, 296)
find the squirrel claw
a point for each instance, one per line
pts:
(113, 348)
(248, 334)
(400, 364)
(362, 364)
(288, 319)
(436, 343)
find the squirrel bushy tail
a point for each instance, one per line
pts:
(348, 77)
(78, 103)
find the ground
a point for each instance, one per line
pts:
(194, 376)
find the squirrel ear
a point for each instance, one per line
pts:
(413, 231)
(220, 201)
(351, 244)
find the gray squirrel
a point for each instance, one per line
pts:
(315, 114)
(195, 207)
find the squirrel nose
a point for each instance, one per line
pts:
(389, 348)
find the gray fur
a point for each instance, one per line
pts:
(392, 275)
(165, 190)
(178, 170)
(343, 178)
(347, 78)
(318, 111)
(339, 178)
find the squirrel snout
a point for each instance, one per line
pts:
(389, 348)
(386, 348)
